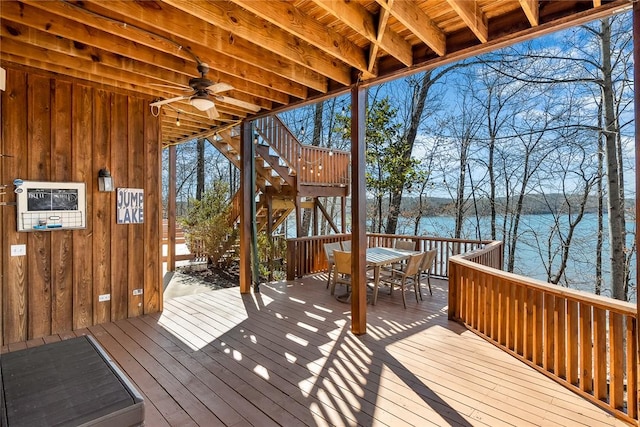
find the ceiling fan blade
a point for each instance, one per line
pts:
(212, 113)
(176, 86)
(242, 104)
(167, 101)
(219, 87)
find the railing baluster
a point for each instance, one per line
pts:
(511, 316)
(586, 349)
(549, 329)
(616, 358)
(529, 329)
(559, 345)
(520, 314)
(538, 333)
(572, 342)
(599, 353)
(632, 366)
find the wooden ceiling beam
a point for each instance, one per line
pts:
(64, 71)
(294, 21)
(473, 16)
(243, 24)
(202, 37)
(101, 70)
(531, 9)
(383, 19)
(359, 19)
(60, 26)
(142, 70)
(419, 23)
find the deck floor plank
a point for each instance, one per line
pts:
(286, 356)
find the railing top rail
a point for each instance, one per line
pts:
(322, 237)
(440, 239)
(598, 301)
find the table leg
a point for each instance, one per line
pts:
(376, 281)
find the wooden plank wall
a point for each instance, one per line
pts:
(58, 130)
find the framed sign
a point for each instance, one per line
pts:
(49, 206)
(130, 206)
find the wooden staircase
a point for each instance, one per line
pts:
(288, 173)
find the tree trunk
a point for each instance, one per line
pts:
(200, 167)
(419, 98)
(615, 202)
(600, 236)
(460, 193)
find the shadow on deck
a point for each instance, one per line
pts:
(286, 356)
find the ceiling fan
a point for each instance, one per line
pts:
(204, 92)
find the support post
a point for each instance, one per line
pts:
(358, 212)
(171, 211)
(636, 99)
(246, 198)
(343, 214)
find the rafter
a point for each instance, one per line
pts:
(530, 8)
(244, 24)
(358, 18)
(142, 71)
(419, 23)
(475, 19)
(202, 37)
(294, 21)
(90, 33)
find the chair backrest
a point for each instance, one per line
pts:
(342, 261)
(414, 264)
(329, 248)
(346, 245)
(427, 261)
(408, 245)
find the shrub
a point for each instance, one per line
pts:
(207, 221)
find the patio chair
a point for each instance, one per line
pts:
(408, 245)
(328, 251)
(342, 261)
(402, 277)
(425, 268)
(346, 245)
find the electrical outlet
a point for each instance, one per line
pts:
(137, 292)
(18, 250)
(104, 297)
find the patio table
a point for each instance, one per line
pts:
(377, 257)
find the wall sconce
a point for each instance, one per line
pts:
(105, 181)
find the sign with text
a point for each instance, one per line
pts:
(130, 206)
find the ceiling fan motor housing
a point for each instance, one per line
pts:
(200, 83)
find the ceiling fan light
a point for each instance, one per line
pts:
(201, 102)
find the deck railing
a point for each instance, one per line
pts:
(585, 342)
(305, 255)
(312, 165)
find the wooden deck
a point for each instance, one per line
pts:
(286, 356)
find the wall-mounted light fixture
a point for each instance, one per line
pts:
(178, 119)
(105, 181)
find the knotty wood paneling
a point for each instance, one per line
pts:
(14, 269)
(119, 233)
(39, 168)
(82, 170)
(103, 216)
(66, 130)
(61, 241)
(136, 180)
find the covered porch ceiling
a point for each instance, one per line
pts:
(274, 54)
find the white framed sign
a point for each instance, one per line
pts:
(130, 205)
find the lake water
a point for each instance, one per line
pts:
(532, 246)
